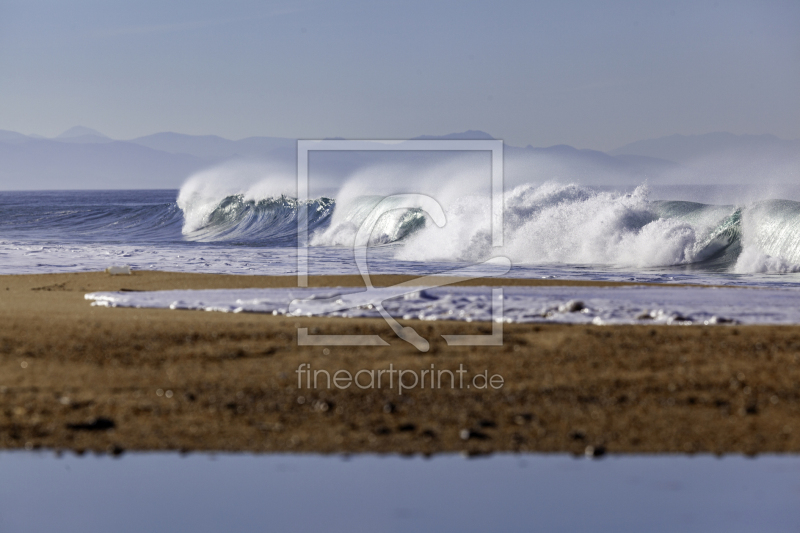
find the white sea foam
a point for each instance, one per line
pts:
(582, 305)
(569, 224)
(752, 260)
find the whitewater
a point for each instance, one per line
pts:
(550, 230)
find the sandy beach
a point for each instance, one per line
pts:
(78, 377)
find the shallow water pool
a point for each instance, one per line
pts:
(528, 492)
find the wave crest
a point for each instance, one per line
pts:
(549, 223)
(269, 221)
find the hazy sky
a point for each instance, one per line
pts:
(587, 73)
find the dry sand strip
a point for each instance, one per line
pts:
(78, 377)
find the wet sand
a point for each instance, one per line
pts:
(78, 377)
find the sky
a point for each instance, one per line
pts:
(591, 74)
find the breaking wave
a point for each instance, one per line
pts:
(550, 223)
(268, 221)
(545, 224)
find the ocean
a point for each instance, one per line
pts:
(551, 231)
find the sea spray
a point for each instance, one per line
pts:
(550, 223)
(555, 223)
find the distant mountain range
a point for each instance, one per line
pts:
(686, 149)
(83, 158)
